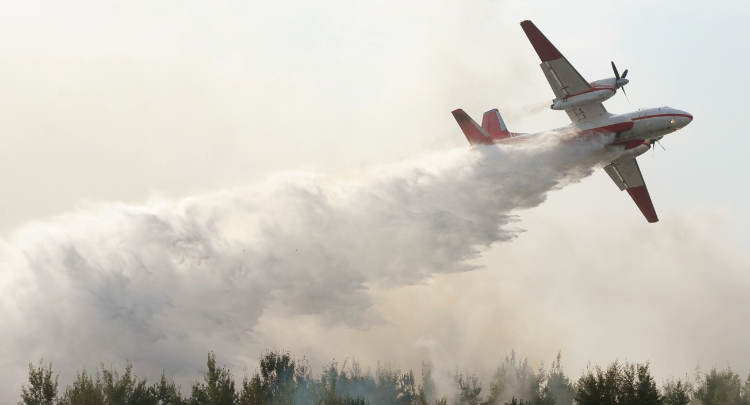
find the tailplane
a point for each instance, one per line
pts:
(493, 123)
(474, 133)
(493, 128)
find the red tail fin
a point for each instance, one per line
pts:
(474, 133)
(493, 123)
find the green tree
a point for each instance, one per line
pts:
(141, 394)
(515, 377)
(42, 388)
(407, 392)
(597, 387)
(166, 392)
(217, 388)
(676, 392)
(646, 392)
(304, 381)
(721, 388)
(428, 390)
(118, 389)
(628, 384)
(327, 389)
(85, 390)
(252, 391)
(277, 378)
(386, 388)
(559, 388)
(470, 390)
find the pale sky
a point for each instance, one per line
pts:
(142, 100)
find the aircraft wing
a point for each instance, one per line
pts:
(627, 175)
(561, 75)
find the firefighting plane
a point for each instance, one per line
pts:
(637, 131)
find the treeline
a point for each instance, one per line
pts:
(284, 380)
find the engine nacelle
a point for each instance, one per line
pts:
(593, 96)
(634, 152)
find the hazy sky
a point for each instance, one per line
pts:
(158, 101)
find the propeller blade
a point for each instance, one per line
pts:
(625, 73)
(626, 94)
(614, 68)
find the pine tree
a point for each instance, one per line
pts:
(646, 392)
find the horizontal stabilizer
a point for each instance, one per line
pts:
(493, 123)
(474, 133)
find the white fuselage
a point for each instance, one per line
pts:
(633, 129)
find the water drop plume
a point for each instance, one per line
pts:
(161, 284)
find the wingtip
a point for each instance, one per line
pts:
(643, 201)
(543, 47)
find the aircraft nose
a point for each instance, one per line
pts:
(683, 119)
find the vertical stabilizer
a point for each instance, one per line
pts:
(474, 133)
(493, 123)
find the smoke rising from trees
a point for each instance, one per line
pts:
(281, 379)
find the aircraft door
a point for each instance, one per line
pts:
(642, 112)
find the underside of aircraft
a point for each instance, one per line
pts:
(636, 131)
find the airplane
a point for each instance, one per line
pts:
(637, 131)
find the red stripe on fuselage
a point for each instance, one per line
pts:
(663, 115)
(593, 89)
(619, 127)
(632, 143)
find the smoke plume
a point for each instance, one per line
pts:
(163, 283)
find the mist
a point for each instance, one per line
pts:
(161, 284)
(112, 103)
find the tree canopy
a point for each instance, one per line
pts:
(282, 379)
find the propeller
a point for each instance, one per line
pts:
(652, 142)
(620, 82)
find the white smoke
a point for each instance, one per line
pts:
(161, 284)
